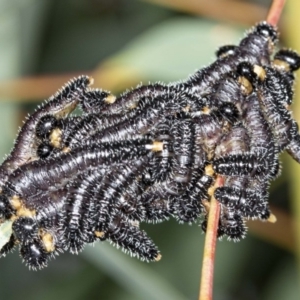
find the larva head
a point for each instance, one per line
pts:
(34, 255)
(44, 150)
(226, 50)
(245, 69)
(266, 30)
(289, 57)
(45, 125)
(246, 77)
(229, 112)
(25, 229)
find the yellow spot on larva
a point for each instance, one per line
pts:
(133, 105)
(272, 219)
(158, 257)
(260, 72)
(48, 242)
(110, 99)
(206, 110)
(66, 150)
(157, 146)
(91, 81)
(281, 65)
(16, 202)
(25, 212)
(246, 85)
(55, 138)
(99, 234)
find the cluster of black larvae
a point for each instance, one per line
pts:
(155, 152)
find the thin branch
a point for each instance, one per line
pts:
(206, 282)
(275, 12)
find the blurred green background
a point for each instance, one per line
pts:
(121, 43)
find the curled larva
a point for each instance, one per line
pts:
(59, 105)
(254, 48)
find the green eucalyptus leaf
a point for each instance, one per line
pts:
(5, 232)
(176, 48)
(134, 276)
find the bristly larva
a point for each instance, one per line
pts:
(58, 105)
(152, 153)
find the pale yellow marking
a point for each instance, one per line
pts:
(209, 170)
(13, 218)
(16, 202)
(246, 85)
(158, 257)
(133, 105)
(110, 99)
(187, 108)
(224, 55)
(206, 110)
(91, 81)
(48, 242)
(260, 72)
(25, 212)
(99, 234)
(55, 138)
(157, 146)
(281, 65)
(272, 219)
(66, 150)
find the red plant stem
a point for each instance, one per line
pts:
(207, 274)
(275, 12)
(206, 282)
